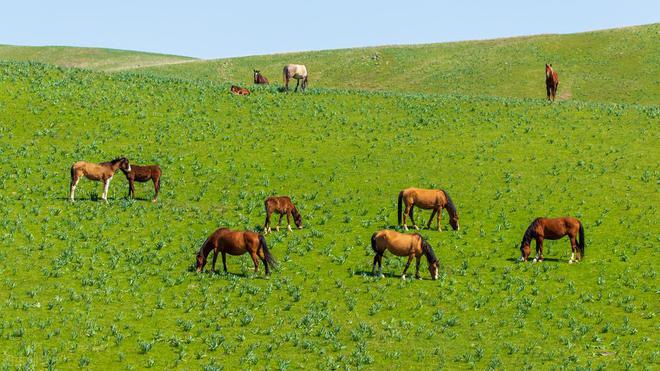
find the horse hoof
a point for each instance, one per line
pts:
(381, 276)
(403, 277)
(571, 261)
(416, 228)
(405, 228)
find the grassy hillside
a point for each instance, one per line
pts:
(92, 58)
(619, 65)
(109, 285)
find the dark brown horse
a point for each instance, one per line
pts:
(401, 244)
(283, 206)
(230, 242)
(260, 79)
(553, 229)
(102, 172)
(142, 174)
(551, 82)
(238, 90)
(434, 199)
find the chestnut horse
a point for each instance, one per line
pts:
(296, 71)
(260, 79)
(238, 90)
(102, 172)
(230, 242)
(551, 82)
(401, 244)
(142, 174)
(435, 199)
(283, 206)
(553, 229)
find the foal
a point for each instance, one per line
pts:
(281, 205)
(142, 174)
(239, 91)
(102, 172)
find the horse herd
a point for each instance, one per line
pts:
(290, 71)
(225, 241)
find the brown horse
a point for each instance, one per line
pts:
(435, 199)
(102, 172)
(553, 229)
(551, 82)
(401, 244)
(142, 174)
(283, 206)
(230, 242)
(239, 91)
(295, 71)
(260, 79)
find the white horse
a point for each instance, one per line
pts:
(296, 71)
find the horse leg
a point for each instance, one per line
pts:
(373, 270)
(417, 267)
(549, 92)
(439, 219)
(131, 188)
(255, 260)
(539, 250)
(288, 222)
(267, 222)
(297, 84)
(279, 222)
(156, 189)
(286, 82)
(574, 250)
(224, 261)
(410, 258)
(215, 257)
(428, 225)
(106, 185)
(405, 216)
(74, 183)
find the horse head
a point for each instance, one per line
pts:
(432, 260)
(453, 221)
(201, 261)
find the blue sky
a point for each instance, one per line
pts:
(214, 29)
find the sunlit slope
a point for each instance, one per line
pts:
(618, 65)
(92, 58)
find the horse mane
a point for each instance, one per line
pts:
(427, 250)
(530, 232)
(451, 208)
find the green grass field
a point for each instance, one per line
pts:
(91, 58)
(619, 65)
(107, 286)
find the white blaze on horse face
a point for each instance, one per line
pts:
(129, 167)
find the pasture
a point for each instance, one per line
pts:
(97, 285)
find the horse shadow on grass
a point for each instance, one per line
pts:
(545, 260)
(365, 273)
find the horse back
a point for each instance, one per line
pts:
(399, 244)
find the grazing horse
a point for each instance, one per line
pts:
(230, 242)
(238, 90)
(553, 229)
(298, 72)
(401, 244)
(102, 172)
(142, 174)
(434, 199)
(259, 78)
(551, 82)
(283, 206)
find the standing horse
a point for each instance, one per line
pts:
(230, 242)
(100, 172)
(298, 72)
(435, 199)
(281, 205)
(551, 82)
(401, 244)
(553, 229)
(142, 174)
(238, 90)
(259, 78)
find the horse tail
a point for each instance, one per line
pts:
(373, 243)
(267, 255)
(581, 241)
(399, 206)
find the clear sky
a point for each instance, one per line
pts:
(213, 29)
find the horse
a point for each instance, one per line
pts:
(238, 90)
(401, 244)
(142, 174)
(551, 82)
(259, 78)
(281, 205)
(298, 72)
(103, 172)
(553, 229)
(237, 243)
(435, 199)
